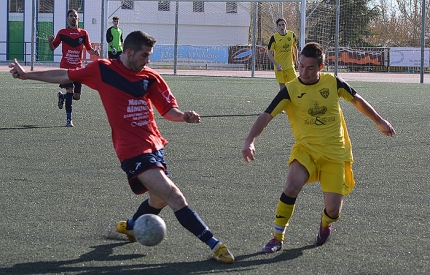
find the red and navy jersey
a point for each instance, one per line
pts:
(128, 97)
(73, 41)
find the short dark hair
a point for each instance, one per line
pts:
(136, 39)
(315, 50)
(115, 18)
(70, 11)
(281, 19)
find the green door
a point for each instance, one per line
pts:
(44, 30)
(15, 38)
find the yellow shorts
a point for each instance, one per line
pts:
(334, 177)
(285, 76)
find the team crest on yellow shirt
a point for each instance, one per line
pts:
(324, 92)
(317, 110)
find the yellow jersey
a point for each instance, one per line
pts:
(282, 46)
(315, 115)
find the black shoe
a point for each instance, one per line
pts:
(60, 100)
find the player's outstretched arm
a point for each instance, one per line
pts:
(295, 56)
(260, 124)
(51, 40)
(94, 52)
(271, 57)
(176, 115)
(59, 76)
(363, 106)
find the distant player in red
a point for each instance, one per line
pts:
(128, 90)
(73, 40)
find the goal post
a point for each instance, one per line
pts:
(107, 14)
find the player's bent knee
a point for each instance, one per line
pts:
(177, 200)
(156, 202)
(333, 211)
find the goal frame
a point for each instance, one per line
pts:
(302, 25)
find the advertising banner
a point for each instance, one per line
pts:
(357, 57)
(243, 55)
(408, 57)
(191, 54)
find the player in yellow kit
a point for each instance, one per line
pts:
(322, 151)
(282, 52)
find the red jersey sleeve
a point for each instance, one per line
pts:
(161, 96)
(57, 40)
(89, 75)
(87, 42)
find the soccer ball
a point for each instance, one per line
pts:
(149, 229)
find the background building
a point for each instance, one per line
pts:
(201, 23)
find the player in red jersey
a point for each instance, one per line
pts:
(128, 89)
(73, 40)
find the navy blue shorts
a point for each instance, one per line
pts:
(139, 164)
(77, 86)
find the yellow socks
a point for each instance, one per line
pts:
(283, 214)
(326, 220)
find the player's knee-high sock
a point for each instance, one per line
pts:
(326, 220)
(284, 211)
(68, 103)
(144, 208)
(193, 223)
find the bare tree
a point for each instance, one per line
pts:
(399, 23)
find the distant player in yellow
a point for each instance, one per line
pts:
(282, 52)
(322, 151)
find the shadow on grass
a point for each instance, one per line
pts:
(88, 263)
(26, 127)
(213, 116)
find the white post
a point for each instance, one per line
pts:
(33, 34)
(175, 49)
(303, 25)
(423, 41)
(104, 27)
(336, 38)
(254, 40)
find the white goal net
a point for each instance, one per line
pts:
(206, 34)
(378, 35)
